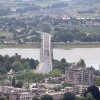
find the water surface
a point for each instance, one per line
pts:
(90, 55)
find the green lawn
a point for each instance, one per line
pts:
(93, 30)
(6, 34)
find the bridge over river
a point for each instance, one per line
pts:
(46, 54)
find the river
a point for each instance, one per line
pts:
(90, 55)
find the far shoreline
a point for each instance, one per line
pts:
(60, 45)
(76, 45)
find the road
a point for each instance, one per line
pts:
(45, 65)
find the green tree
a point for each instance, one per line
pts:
(1, 60)
(63, 60)
(2, 98)
(97, 72)
(17, 66)
(65, 37)
(81, 63)
(80, 98)
(3, 77)
(94, 91)
(19, 84)
(46, 28)
(66, 84)
(61, 65)
(26, 65)
(13, 82)
(2, 70)
(98, 81)
(31, 77)
(59, 5)
(89, 96)
(35, 98)
(32, 63)
(57, 89)
(55, 73)
(47, 97)
(83, 92)
(7, 65)
(14, 59)
(69, 96)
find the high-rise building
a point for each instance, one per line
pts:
(80, 75)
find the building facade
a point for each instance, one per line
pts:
(80, 75)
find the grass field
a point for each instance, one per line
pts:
(77, 45)
(6, 34)
(62, 46)
(93, 30)
(20, 46)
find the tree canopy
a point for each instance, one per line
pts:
(71, 35)
(55, 73)
(81, 63)
(94, 91)
(47, 97)
(89, 96)
(16, 63)
(61, 65)
(69, 96)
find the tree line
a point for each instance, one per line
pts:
(29, 8)
(72, 35)
(5, 11)
(16, 64)
(57, 5)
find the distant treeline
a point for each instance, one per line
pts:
(32, 7)
(4, 11)
(58, 5)
(90, 11)
(70, 35)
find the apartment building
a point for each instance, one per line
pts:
(80, 75)
(25, 96)
(15, 95)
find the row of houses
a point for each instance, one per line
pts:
(16, 93)
(79, 77)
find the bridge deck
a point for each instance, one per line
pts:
(45, 64)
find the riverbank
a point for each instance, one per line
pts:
(34, 45)
(76, 45)
(55, 45)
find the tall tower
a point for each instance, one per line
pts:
(45, 65)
